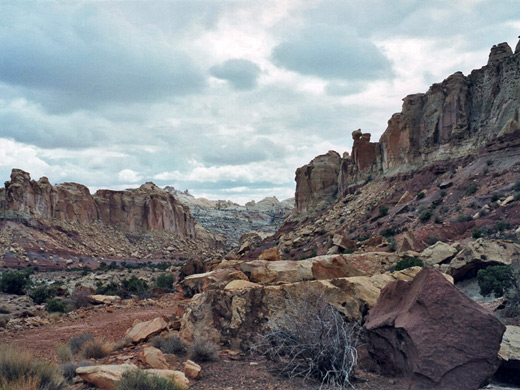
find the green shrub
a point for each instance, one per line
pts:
(472, 188)
(389, 232)
(392, 244)
(495, 279)
(420, 195)
(42, 294)
(516, 187)
(139, 380)
(134, 286)
(442, 194)
(408, 262)
(170, 344)
(425, 215)
(64, 353)
(164, 281)
(4, 310)
(55, 305)
(111, 288)
(20, 371)
(477, 233)
(77, 342)
(68, 371)
(383, 210)
(463, 218)
(15, 282)
(203, 351)
(501, 226)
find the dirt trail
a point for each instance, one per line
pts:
(42, 341)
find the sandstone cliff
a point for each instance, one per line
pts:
(453, 119)
(233, 220)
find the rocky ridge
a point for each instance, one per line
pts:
(66, 219)
(233, 220)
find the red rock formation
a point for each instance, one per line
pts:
(317, 182)
(453, 119)
(425, 330)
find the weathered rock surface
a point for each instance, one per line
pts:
(438, 253)
(198, 283)
(192, 369)
(154, 358)
(143, 330)
(104, 376)
(434, 335)
(454, 118)
(180, 379)
(482, 252)
(510, 356)
(231, 219)
(104, 299)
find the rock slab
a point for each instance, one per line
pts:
(143, 330)
(433, 334)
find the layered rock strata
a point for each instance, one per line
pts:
(454, 118)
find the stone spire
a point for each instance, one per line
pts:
(499, 52)
(517, 48)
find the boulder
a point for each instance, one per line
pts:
(182, 383)
(103, 376)
(191, 369)
(510, 355)
(198, 283)
(240, 285)
(344, 242)
(191, 267)
(270, 254)
(438, 253)
(143, 330)
(267, 272)
(331, 266)
(154, 358)
(104, 299)
(480, 253)
(431, 333)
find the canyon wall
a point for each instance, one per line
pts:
(147, 208)
(454, 118)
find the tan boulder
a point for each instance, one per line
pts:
(438, 253)
(510, 346)
(267, 272)
(270, 254)
(344, 242)
(104, 299)
(154, 358)
(103, 376)
(372, 263)
(216, 279)
(191, 369)
(333, 266)
(481, 252)
(179, 378)
(143, 330)
(240, 285)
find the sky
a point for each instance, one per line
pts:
(223, 98)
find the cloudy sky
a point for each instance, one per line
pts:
(224, 98)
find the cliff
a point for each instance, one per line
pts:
(454, 118)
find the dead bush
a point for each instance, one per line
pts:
(77, 342)
(96, 349)
(311, 339)
(170, 344)
(203, 350)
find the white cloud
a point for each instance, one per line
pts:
(129, 176)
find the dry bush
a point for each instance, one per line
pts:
(77, 342)
(139, 380)
(311, 339)
(96, 349)
(122, 343)
(20, 371)
(79, 297)
(64, 353)
(4, 320)
(170, 344)
(203, 350)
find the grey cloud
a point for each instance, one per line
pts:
(332, 53)
(68, 59)
(239, 152)
(241, 74)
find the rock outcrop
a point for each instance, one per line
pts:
(232, 220)
(433, 334)
(454, 118)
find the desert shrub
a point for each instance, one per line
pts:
(42, 294)
(501, 226)
(389, 232)
(164, 281)
(203, 350)
(95, 349)
(170, 344)
(442, 193)
(477, 233)
(20, 371)
(4, 320)
(495, 197)
(4, 310)
(463, 218)
(111, 288)
(516, 186)
(64, 353)
(495, 279)
(420, 195)
(408, 262)
(55, 305)
(134, 285)
(139, 380)
(311, 339)
(432, 239)
(392, 244)
(425, 215)
(15, 282)
(79, 297)
(77, 342)
(472, 188)
(383, 210)
(69, 371)
(512, 304)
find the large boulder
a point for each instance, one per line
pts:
(154, 358)
(198, 283)
(431, 333)
(104, 376)
(438, 253)
(144, 330)
(510, 355)
(480, 253)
